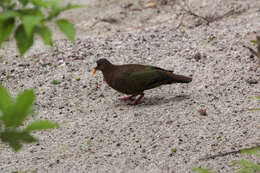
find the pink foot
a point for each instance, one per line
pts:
(137, 101)
(127, 98)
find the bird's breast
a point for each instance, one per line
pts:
(117, 83)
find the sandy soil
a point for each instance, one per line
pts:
(99, 133)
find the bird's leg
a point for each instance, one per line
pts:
(128, 98)
(137, 101)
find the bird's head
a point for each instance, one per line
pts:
(102, 65)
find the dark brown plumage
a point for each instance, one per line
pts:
(134, 79)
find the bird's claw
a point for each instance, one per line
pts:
(127, 98)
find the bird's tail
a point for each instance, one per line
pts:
(180, 78)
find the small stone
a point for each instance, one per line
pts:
(197, 56)
(252, 81)
(203, 112)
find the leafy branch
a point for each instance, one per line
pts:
(12, 117)
(29, 17)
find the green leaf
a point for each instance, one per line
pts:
(5, 99)
(41, 125)
(211, 38)
(55, 9)
(12, 138)
(45, 34)
(30, 11)
(23, 41)
(202, 170)
(29, 22)
(218, 137)
(27, 138)
(247, 165)
(6, 29)
(252, 151)
(89, 142)
(8, 14)
(67, 28)
(55, 82)
(56, 3)
(253, 41)
(24, 2)
(15, 138)
(174, 150)
(18, 112)
(40, 3)
(23, 106)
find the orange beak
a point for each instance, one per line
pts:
(94, 71)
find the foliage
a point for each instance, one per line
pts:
(174, 150)
(55, 82)
(246, 166)
(253, 151)
(26, 18)
(253, 41)
(12, 116)
(218, 137)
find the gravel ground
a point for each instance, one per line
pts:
(99, 133)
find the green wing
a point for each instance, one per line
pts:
(148, 78)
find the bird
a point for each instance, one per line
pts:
(134, 79)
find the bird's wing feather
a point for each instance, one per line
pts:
(134, 79)
(149, 77)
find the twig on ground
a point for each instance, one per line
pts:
(180, 24)
(110, 20)
(251, 50)
(211, 19)
(228, 153)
